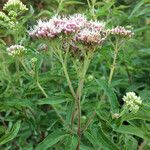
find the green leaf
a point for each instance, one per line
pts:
(136, 8)
(50, 140)
(73, 3)
(92, 139)
(139, 115)
(128, 129)
(52, 100)
(106, 142)
(111, 95)
(131, 143)
(69, 112)
(17, 103)
(74, 143)
(12, 134)
(44, 13)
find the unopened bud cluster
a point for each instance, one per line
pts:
(3, 17)
(11, 9)
(16, 50)
(15, 5)
(132, 101)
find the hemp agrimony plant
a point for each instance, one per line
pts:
(60, 115)
(75, 38)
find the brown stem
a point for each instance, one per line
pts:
(79, 94)
(73, 117)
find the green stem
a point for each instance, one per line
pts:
(114, 63)
(79, 94)
(68, 80)
(23, 64)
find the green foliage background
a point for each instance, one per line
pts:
(27, 119)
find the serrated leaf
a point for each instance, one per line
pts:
(139, 115)
(74, 143)
(132, 130)
(111, 95)
(92, 139)
(131, 143)
(12, 134)
(17, 103)
(50, 140)
(106, 142)
(136, 8)
(52, 100)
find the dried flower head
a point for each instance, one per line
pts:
(132, 101)
(121, 31)
(16, 50)
(15, 5)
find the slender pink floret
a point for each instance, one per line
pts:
(119, 30)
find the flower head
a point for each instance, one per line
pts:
(3, 17)
(57, 25)
(89, 36)
(15, 5)
(121, 31)
(16, 50)
(132, 101)
(95, 25)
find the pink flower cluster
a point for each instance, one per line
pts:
(87, 36)
(57, 25)
(84, 31)
(119, 30)
(87, 32)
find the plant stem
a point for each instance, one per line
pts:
(79, 94)
(116, 49)
(68, 80)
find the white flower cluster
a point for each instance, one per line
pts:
(132, 101)
(119, 30)
(87, 32)
(16, 50)
(15, 5)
